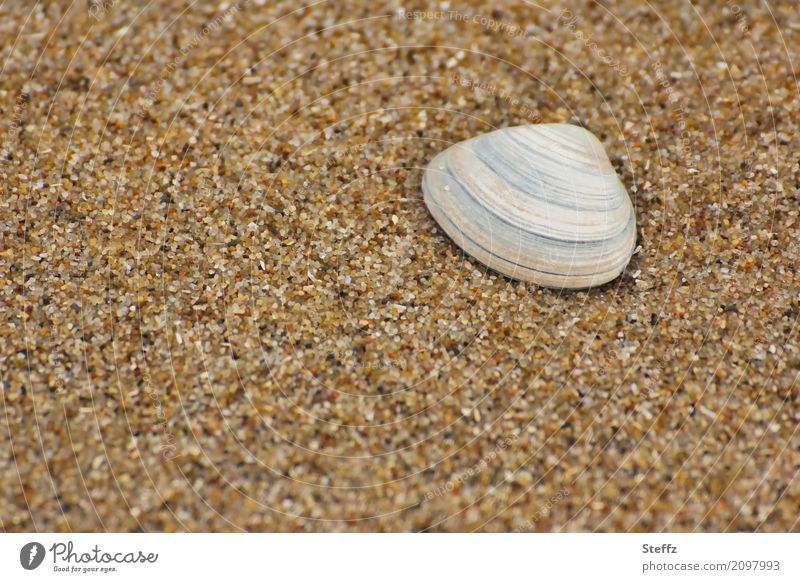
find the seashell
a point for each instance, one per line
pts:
(538, 203)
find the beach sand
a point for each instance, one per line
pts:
(225, 306)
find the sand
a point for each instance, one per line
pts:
(225, 306)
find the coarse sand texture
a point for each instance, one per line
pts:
(225, 305)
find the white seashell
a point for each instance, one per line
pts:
(538, 203)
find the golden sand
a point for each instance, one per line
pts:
(225, 306)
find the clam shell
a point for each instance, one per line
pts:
(538, 203)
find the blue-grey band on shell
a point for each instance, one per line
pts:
(539, 203)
